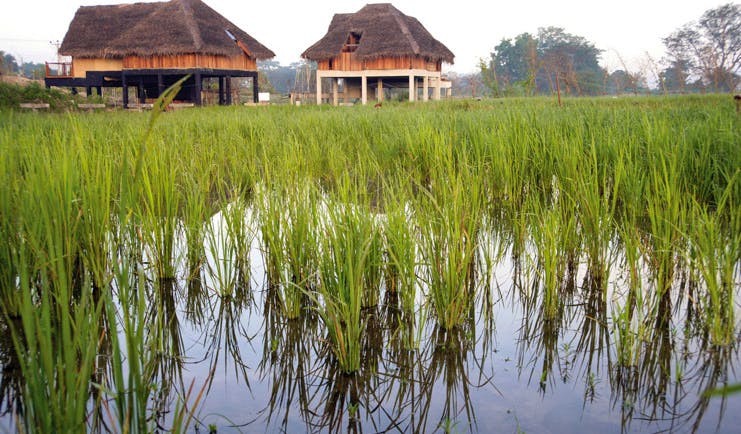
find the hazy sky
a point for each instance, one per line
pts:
(469, 28)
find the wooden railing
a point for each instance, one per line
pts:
(59, 69)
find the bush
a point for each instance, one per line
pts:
(12, 95)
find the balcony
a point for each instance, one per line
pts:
(59, 70)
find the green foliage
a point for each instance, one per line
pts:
(12, 95)
(529, 64)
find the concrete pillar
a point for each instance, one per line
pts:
(412, 88)
(380, 90)
(364, 89)
(425, 88)
(335, 91)
(438, 83)
(318, 88)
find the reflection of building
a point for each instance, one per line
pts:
(152, 45)
(375, 50)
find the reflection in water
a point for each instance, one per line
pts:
(166, 345)
(287, 353)
(11, 380)
(642, 362)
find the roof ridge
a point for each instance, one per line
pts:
(195, 32)
(404, 29)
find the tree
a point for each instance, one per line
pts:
(570, 59)
(8, 64)
(527, 65)
(709, 49)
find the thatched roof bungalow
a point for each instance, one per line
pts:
(379, 42)
(151, 45)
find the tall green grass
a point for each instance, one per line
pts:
(351, 205)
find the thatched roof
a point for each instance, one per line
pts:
(148, 29)
(385, 32)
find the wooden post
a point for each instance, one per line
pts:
(380, 90)
(255, 89)
(125, 94)
(412, 88)
(140, 91)
(228, 86)
(221, 91)
(425, 88)
(197, 88)
(318, 88)
(737, 98)
(160, 84)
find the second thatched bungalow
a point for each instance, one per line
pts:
(376, 49)
(152, 45)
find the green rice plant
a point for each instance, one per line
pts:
(594, 195)
(301, 237)
(450, 218)
(666, 210)
(401, 251)
(9, 238)
(195, 211)
(59, 317)
(288, 219)
(131, 361)
(373, 274)
(161, 202)
(271, 221)
(96, 225)
(551, 259)
(228, 239)
(715, 254)
(344, 258)
(57, 348)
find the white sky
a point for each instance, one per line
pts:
(469, 28)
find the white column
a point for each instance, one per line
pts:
(335, 91)
(438, 83)
(318, 88)
(379, 92)
(412, 88)
(364, 89)
(425, 88)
